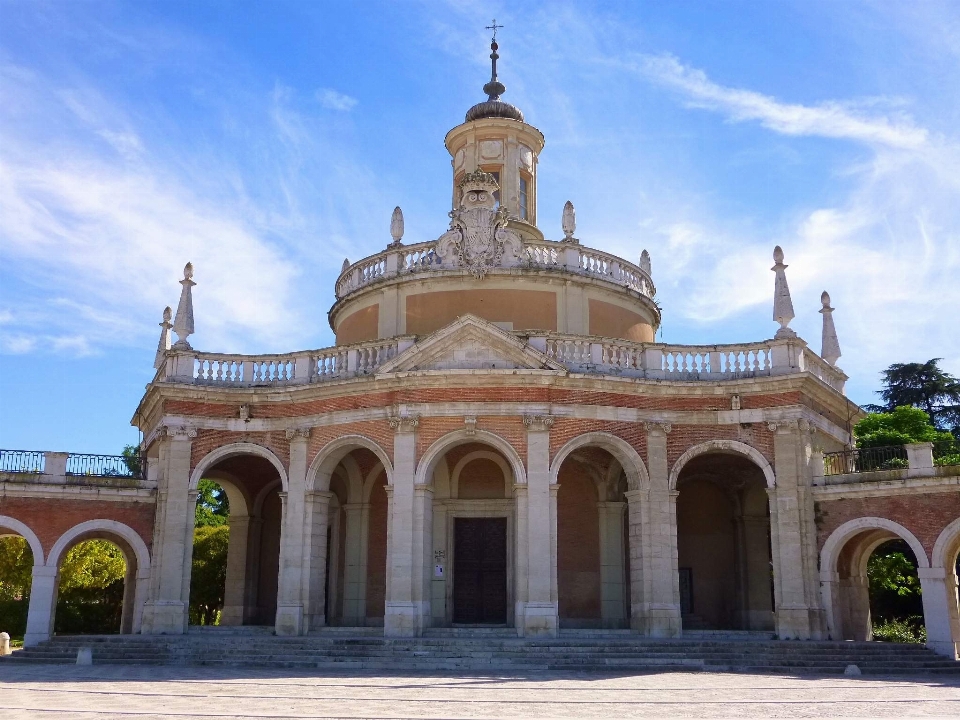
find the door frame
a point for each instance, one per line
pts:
(494, 508)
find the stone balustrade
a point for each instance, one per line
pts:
(546, 254)
(578, 353)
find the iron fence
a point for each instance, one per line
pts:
(21, 461)
(105, 465)
(862, 460)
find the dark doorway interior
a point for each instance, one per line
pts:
(480, 571)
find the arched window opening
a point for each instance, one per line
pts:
(896, 605)
(211, 541)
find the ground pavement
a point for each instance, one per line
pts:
(69, 692)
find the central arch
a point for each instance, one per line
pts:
(624, 452)
(723, 446)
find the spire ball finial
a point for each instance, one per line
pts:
(188, 271)
(825, 300)
(569, 222)
(778, 254)
(167, 314)
(782, 304)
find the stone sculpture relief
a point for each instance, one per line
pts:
(478, 238)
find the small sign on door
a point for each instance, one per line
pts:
(438, 571)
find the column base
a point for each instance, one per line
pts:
(231, 615)
(164, 618)
(941, 647)
(657, 621)
(537, 619)
(289, 620)
(795, 623)
(31, 639)
(401, 619)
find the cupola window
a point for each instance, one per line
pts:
(523, 198)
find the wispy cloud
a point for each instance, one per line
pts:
(828, 119)
(333, 100)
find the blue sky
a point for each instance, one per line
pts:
(265, 142)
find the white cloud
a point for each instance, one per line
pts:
(828, 119)
(333, 100)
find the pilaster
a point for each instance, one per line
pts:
(236, 581)
(166, 610)
(539, 611)
(613, 611)
(43, 603)
(291, 586)
(405, 612)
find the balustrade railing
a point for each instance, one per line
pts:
(21, 461)
(545, 254)
(578, 353)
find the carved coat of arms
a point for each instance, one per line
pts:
(478, 238)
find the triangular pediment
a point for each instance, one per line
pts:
(470, 343)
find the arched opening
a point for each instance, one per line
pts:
(92, 584)
(472, 573)
(723, 544)
(592, 573)
(236, 550)
(16, 576)
(870, 569)
(99, 571)
(355, 537)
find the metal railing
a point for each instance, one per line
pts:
(862, 460)
(105, 466)
(21, 461)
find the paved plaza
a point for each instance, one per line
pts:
(144, 692)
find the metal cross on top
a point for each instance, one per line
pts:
(494, 27)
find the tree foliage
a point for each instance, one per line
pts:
(925, 386)
(213, 507)
(92, 565)
(132, 459)
(896, 604)
(209, 574)
(16, 568)
(901, 426)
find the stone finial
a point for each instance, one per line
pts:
(396, 225)
(782, 305)
(645, 263)
(569, 222)
(164, 343)
(830, 347)
(183, 324)
(346, 264)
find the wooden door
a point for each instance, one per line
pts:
(480, 571)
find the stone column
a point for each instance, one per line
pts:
(757, 613)
(656, 583)
(290, 584)
(355, 567)
(234, 589)
(521, 555)
(790, 566)
(129, 597)
(166, 612)
(938, 615)
(43, 605)
(540, 616)
(403, 612)
(423, 553)
(612, 609)
(314, 573)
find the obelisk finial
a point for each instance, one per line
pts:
(164, 343)
(830, 347)
(782, 304)
(183, 323)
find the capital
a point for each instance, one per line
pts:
(470, 425)
(298, 433)
(654, 428)
(783, 426)
(179, 432)
(404, 423)
(538, 423)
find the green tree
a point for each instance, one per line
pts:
(922, 385)
(209, 573)
(90, 592)
(896, 603)
(133, 460)
(901, 426)
(213, 507)
(16, 568)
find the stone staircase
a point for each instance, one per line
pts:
(495, 651)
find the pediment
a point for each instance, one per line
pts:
(470, 343)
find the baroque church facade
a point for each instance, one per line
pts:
(496, 439)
